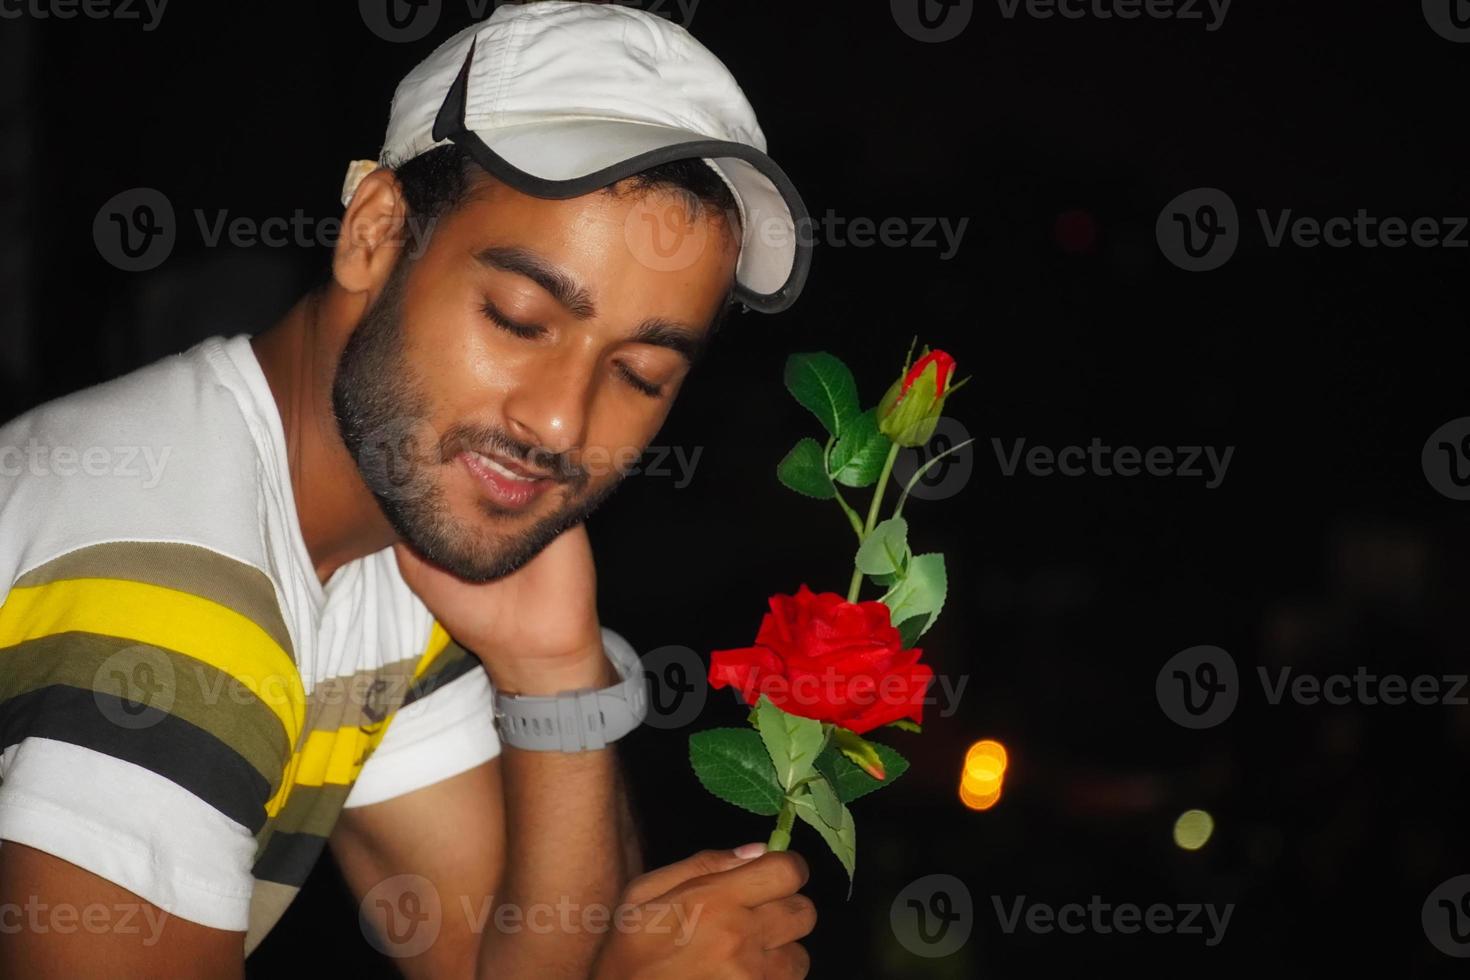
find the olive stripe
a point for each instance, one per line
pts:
(204, 696)
(183, 567)
(310, 810)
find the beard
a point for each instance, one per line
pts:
(383, 415)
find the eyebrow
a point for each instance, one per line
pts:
(658, 331)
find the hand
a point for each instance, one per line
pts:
(536, 630)
(719, 915)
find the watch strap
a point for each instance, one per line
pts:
(578, 721)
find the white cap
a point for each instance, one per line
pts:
(559, 98)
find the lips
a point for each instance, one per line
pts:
(507, 484)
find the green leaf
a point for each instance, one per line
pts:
(849, 781)
(920, 593)
(824, 386)
(819, 806)
(904, 724)
(858, 751)
(911, 629)
(793, 742)
(858, 457)
(805, 471)
(886, 548)
(732, 764)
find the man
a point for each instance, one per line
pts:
(353, 603)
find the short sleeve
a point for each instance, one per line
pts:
(148, 705)
(446, 726)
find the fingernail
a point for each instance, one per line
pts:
(748, 851)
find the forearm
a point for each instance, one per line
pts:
(569, 844)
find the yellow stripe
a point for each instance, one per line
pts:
(152, 614)
(330, 757)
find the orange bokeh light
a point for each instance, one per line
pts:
(984, 772)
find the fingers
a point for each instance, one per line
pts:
(785, 920)
(661, 881)
(789, 961)
(754, 883)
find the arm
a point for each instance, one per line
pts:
(60, 921)
(484, 841)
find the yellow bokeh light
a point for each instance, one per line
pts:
(1193, 829)
(983, 774)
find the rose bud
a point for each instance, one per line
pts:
(910, 410)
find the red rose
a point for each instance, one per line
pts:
(943, 365)
(819, 656)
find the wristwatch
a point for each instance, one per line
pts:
(578, 721)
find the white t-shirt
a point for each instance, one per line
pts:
(184, 708)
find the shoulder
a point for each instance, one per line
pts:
(166, 454)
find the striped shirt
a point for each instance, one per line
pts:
(185, 709)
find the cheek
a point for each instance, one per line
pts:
(619, 429)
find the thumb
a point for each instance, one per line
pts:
(661, 881)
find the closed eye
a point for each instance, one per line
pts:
(526, 331)
(641, 384)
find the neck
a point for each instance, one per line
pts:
(339, 517)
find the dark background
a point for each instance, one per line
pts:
(1325, 548)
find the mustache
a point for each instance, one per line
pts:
(491, 441)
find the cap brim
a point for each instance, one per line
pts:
(569, 158)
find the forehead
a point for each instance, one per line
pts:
(641, 252)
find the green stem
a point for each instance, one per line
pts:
(781, 836)
(857, 575)
(852, 518)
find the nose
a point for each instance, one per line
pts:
(548, 407)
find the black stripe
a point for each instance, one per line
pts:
(288, 858)
(452, 663)
(132, 732)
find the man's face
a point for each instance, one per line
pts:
(501, 381)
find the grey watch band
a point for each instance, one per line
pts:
(578, 721)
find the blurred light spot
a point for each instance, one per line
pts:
(1193, 829)
(984, 772)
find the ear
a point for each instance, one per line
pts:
(373, 234)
